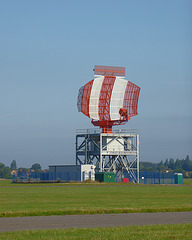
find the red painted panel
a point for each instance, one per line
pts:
(105, 98)
(131, 99)
(125, 180)
(86, 98)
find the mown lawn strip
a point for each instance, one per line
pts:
(160, 232)
(39, 201)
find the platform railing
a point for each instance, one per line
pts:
(98, 130)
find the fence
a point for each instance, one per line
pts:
(144, 177)
(23, 177)
(149, 177)
(46, 177)
(156, 177)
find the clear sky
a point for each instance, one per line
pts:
(48, 51)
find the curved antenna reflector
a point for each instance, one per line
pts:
(107, 99)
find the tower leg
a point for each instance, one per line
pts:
(117, 152)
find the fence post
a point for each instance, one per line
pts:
(172, 177)
(159, 177)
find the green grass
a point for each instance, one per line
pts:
(187, 181)
(160, 232)
(5, 182)
(31, 200)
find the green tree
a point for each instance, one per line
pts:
(13, 165)
(161, 166)
(2, 166)
(166, 163)
(36, 167)
(187, 164)
(23, 170)
(5, 172)
(148, 166)
(178, 164)
(171, 164)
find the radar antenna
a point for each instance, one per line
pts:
(108, 99)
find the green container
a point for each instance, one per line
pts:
(105, 176)
(178, 177)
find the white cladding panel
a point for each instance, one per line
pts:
(87, 172)
(117, 97)
(94, 98)
(113, 144)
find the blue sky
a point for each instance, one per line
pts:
(48, 51)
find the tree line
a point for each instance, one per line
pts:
(179, 165)
(5, 171)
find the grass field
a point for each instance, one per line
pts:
(187, 181)
(47, 199)
(160, 232)
(57, 199)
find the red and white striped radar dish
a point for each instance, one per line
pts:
(108, 99)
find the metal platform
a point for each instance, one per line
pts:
(117, 151)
